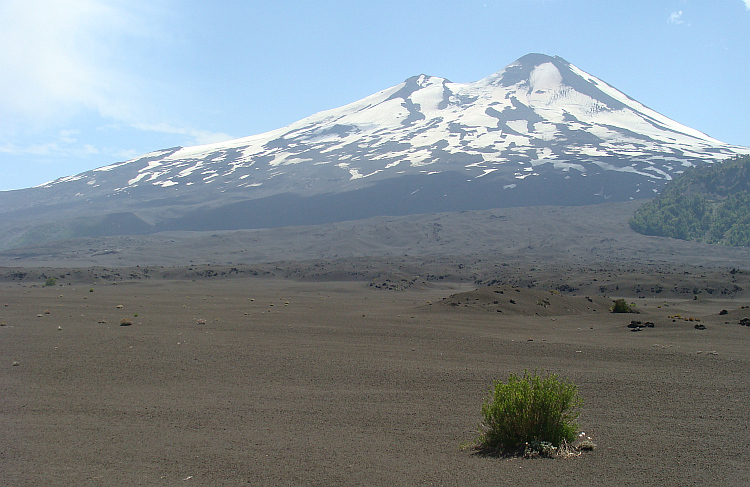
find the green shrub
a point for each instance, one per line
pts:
(529, 410)
(51, 281)
(622, 306)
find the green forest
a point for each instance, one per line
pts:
(709, 204)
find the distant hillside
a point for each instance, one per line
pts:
(709, 203)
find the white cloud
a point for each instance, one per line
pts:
(64, 58)
(747, 4)
(59, 57)
(676, 17)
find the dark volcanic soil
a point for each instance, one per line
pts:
(275, 382)
(359, 353)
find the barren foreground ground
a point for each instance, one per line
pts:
(267, 381)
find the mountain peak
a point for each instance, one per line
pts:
(520, 70)
(535, 59)
(540, 131)
(415, 83)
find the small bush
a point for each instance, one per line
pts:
(621, 306)
(51, 281)
(529, 410)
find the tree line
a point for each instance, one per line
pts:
(710, 203)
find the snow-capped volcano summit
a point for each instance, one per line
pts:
(540, 131)
(539, 111)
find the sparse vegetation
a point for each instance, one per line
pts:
(529, 413)
(50, 282)
(622, 306)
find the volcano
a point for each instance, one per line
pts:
(538, 132)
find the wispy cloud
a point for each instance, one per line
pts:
(63, 58)
(747, 4)
(676, 18)
(65, 144)
(59, 57)
(200, 137)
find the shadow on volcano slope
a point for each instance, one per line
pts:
(410, 195)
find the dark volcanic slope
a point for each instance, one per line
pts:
(589, 250)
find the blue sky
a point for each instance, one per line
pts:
(84, 83)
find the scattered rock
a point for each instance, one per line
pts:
(700, 326)
(125, 322)
(637, 325)
(119, 306)
(200, 321)
(586, 445)
(723, 312)
(745, 322)
(15, 364)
